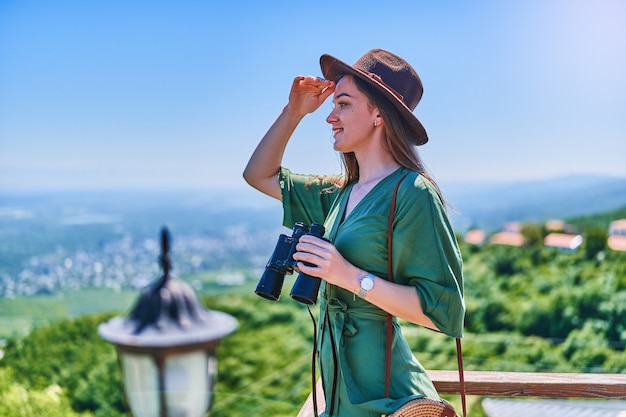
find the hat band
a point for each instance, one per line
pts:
(379, 80)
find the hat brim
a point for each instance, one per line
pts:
(333, 68)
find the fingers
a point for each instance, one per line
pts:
(327, 91)
(319, 258)
(312, 83)
(308, 93)
(312, 249)
(313, 240)
(312, 80)
(313, 270)
(297, 80)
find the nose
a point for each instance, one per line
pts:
(332, 117)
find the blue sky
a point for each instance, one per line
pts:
(176, 94)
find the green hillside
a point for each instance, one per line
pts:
(528, 309)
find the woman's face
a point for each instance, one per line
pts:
(352, 118)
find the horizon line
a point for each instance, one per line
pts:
(243, 186)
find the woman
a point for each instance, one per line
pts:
(375, 130)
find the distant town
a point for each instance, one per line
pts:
(133, 263)
(129, 263)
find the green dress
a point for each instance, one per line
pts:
(352, 331)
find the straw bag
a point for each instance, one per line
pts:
(425, 407)
(420, 407)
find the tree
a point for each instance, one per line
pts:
(533, 234)
(595, 241)
(67, 354)
(18, 400)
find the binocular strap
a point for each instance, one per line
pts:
(313, 357)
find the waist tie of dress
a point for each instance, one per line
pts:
(342, 325)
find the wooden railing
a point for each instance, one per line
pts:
(516, 384)
(531, 384)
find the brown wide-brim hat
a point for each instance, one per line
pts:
(392, 76)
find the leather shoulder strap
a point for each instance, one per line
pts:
(389, 338)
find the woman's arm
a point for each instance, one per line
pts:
(306, 95)
(396, 299)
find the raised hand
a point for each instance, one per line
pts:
(308, 93)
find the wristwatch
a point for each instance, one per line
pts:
(367, 283)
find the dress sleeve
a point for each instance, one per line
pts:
(426, 254)
(306, 198)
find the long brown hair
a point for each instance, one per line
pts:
(397, 139)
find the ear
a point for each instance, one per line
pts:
(378, 119)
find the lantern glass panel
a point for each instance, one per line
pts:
(188, 383)
(141, 378)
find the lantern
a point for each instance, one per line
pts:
(166, 347)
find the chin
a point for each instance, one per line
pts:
(338, 146)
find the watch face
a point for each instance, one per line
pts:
(367, 283)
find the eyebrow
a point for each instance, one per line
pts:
(342, 95)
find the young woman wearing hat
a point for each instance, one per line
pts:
(375, 131)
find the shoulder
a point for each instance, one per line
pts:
(323, 183)
(415, 186)
(419, 198)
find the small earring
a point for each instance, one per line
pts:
(375, 123)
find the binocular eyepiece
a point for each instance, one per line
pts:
(281, 262)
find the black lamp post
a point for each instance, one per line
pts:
(166, 347)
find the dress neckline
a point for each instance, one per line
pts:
(344, 204)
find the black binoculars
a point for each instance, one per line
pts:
(281, 262)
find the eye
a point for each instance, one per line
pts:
(341, 104)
